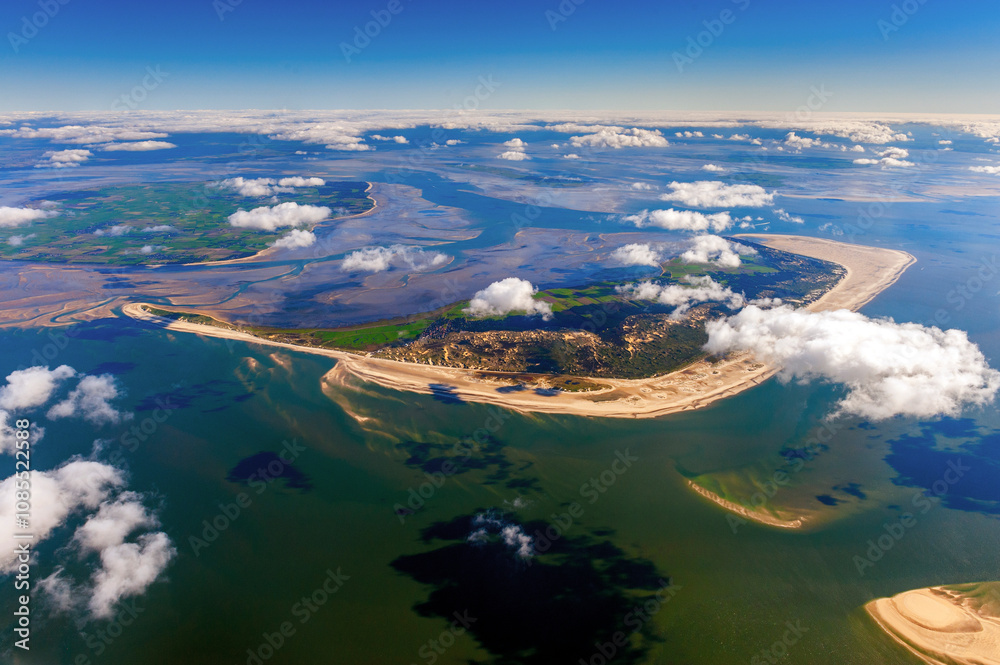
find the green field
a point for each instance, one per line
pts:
(116, 225)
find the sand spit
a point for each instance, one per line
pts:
(869, 271)
(944, 625)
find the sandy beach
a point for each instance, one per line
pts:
(869, 271)
(941, 625)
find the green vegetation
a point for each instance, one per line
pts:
(594, 332)
(118, 225)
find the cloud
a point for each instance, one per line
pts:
(516, 144)
(283, 214)
(512, 535)
(681, 220)
(159, 228)
(379, 259)
(785, 217)
(138, 146)
(8, 434)
(18, 240)
(858, 148)
(60, 159)
(151, 249)
(14, 217)
(715, 168)
(77, 484)
(888, 368)
(688, 134)
(295, 239)
(258, 187)
(571, 155)
(701, 289)
(32, 387)
(454, 142)
(642, 186)
(113, 522)
(994, 170)
(636, 254)
(513, 156)
(397, 139)
(714, 194)
(89, 400)
(891, 156)
(128, 569)
(116, 230)
(81, 134)
(716, 250)
(508, 295)
(944, 142)
(616, 137)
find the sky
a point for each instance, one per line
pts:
(926, 56)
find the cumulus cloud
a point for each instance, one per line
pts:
(681, 220)
(258, 187)
(636, 254)
(642, 186)
(944, 142)
(715, 168)
(508, 295)
(8, 434)
(715, 250)
(683, 297)
(891, 156)
(617, 137)
(454, 142)
(138, 146)
(113, 522)
(513, 156)
(888, 368)
(714, 194)
(994, 170)
(283, 214)
(397, 139)
(60, 159)
(785, 217)
(688, 134)
(90, 401)
(18, 240)
(380, 259)
(32, 387)
(295, 239)
(515, 144)
(116, 230)
(571, 155)
(56, 494)
(14, 217)
(82, 134)
(510, 534)
(159, 228)
(128, 569)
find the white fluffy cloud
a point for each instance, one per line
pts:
(138, 146)
(116, 230)
(61, 159)
(90, 401)
(258, 187)
(128, 569)
(159, 228)
(994, 170)
(642, 186)
(14, 217)
(295, 239)
(697, 290)
(888, 368)
(32, 387)
(571, 155)
(714, 194)
(380, 259)
(513, 156)
(786, 217)
(396, 139)
(283, 214)
(617, 137)
(508, 295)
(74, 486)
(715, 168)
(18, 240)
(891, 156)
(637, 254)
(8, 434)
(681, 220)
(715, 250)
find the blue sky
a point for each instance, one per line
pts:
(941, 56)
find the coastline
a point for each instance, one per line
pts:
(870, 270)
(953, 625)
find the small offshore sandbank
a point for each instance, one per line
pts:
(944, 625)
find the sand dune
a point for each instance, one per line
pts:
(869, 271)
(953, 625)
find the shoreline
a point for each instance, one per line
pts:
(953, 625)
(869, 270)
